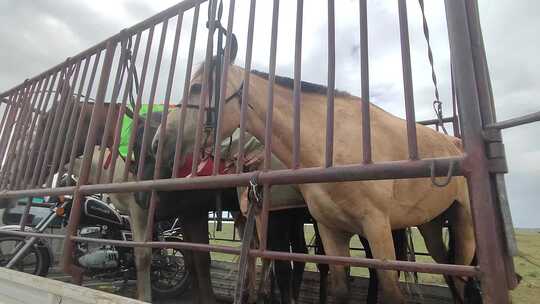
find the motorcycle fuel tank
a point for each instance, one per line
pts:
(96, 210)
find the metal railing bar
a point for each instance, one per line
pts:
(75, 116)
(151, 101)
(70, 102)
(25, 170)
(514, 122)
(329, 148)
(123, 105)
(205, 87)
(159, 152)
(185, 95)
(245, 91)
(138, 102)
(223, 86)
(297, 94)
(84, 108)
(450, 269)
(364, 73)
(407, 80)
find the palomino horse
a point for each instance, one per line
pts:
(369, 208)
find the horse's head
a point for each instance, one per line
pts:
(189, 120)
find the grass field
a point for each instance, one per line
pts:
(527, 264)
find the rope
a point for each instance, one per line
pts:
(437, 104)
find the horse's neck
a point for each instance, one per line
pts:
(282, 129)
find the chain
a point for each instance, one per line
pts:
(437, 104)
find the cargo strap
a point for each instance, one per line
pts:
(241, 293)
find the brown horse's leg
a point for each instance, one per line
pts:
(373, 287)
(379, 234)
(462, 238)
(323, 268)
(298, 245)
(190, 263)
(143, 255)
(337, 244)
(198, 226)
(279, 240)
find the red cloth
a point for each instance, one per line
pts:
(205, 167)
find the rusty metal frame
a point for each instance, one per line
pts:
(473, 120)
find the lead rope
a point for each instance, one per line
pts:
(437, 104)
(254, 205)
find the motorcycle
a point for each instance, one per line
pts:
(99, 219)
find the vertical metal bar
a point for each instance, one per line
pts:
(329, 150)
(489, 250)
(455, 117)
(7, 109)
(15, 142)
(297, 89)
(245, 91)
(205, 87)
(146, 132)
(138, 102)
(488, 115)
(75, 151)
(407, 80)
(33, 165)
(122, 111)
(166, 103)
(41, 107)
(60, 138)
(75, 115)
(185, 95)
(28, 129)
(8, 128)
(364, 70)
(61, 99)
(223, 87)
(268, 131)
(26, 134)
(74, 216)
(105, 137)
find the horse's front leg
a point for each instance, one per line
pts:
(143, 255)
(197, 226)
(337, 244)
(377, 230)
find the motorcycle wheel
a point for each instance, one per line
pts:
(169, 275)
(36, 261)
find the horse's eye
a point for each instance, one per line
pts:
(195, 88)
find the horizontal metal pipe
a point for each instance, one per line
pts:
(377, 171)
(435, 121)
(514, 122)
(456, 270)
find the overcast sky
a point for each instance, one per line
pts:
(38, 34)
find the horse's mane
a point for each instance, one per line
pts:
(306, 87)
(287, 82)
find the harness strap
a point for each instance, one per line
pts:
(108, 160)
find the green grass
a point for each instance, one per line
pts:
(527, 263)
